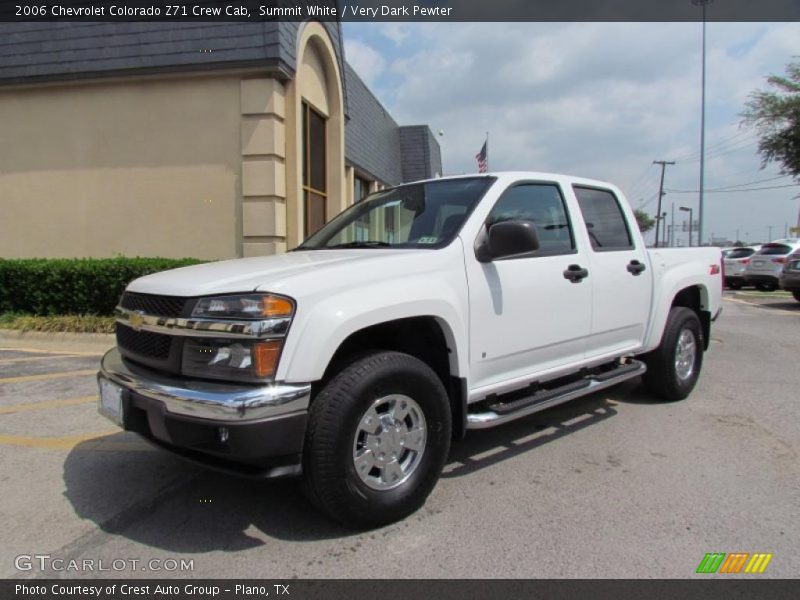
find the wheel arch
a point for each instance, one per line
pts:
(695, 297)
(428, 338)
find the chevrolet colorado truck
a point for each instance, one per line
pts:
(417, 314)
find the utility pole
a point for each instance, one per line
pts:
(663, 164)
(769, 238)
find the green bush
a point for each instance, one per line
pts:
(63, 286)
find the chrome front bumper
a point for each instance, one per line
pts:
(204, 399)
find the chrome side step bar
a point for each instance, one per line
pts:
(504, 412)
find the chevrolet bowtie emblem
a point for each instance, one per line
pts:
(136, 320)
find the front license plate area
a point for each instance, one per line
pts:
(111, 402)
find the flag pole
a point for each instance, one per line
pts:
(487, 151)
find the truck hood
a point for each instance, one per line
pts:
(280, 273)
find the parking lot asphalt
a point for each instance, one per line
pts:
(613, 485)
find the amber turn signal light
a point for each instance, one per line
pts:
(275, 306)
(265, 357)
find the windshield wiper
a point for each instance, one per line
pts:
(361, 244)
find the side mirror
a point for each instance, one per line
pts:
(508, 238)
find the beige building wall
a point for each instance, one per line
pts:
(147, 167)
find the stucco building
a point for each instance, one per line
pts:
(209, 140)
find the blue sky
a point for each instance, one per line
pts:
(598, 100)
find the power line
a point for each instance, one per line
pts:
(717, 145)
(728, 191)
(725, 187)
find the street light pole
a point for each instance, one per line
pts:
(691, 213)
(703, 4)
(663, 164)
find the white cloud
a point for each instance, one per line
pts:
(397, 32)
(367, 61)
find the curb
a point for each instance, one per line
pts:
(90, 343)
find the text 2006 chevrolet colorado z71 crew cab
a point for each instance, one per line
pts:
(417, 314)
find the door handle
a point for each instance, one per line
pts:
(635, 267)
(575, 273)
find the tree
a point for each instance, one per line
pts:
(776, 116)
(645, 221)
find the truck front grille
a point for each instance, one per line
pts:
(143, 343)
(161, 306)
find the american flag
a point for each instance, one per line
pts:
(483, 158)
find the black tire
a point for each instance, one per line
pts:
(661, 378)
(796, 294)
(761, 287)
(735, 285)
(330, 479)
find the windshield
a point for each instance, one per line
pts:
(419, 215)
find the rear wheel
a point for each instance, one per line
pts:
(674, 367)
(377, 440)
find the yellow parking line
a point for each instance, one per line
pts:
(43, 376)
(4, 361)
(57, 443)
(15, 408)
(38, 351)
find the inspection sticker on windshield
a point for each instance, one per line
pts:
(428, 240)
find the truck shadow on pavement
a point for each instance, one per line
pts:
(131, 490)
(484, 448)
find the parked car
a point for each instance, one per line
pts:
(765, 266)
(736, 261)
(790, 277)
(353, 362)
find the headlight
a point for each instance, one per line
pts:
(234, 360)
(247, 306)
(240, 359)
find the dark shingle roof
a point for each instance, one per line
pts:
(36, 51)
(372, 140)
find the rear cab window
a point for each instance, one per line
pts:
(605, 222)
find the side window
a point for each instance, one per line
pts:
(604, 220)
(543, 204)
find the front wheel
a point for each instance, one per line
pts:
(796, 294)
(377, 439)
(674, 367)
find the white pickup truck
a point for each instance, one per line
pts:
(417, 314)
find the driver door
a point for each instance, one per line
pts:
(526, 316)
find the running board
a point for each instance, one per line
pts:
(503, 412)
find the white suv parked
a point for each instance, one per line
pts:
(766, 265)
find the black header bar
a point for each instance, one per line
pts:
(400, 10)
(711, 588)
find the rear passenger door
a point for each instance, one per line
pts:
(622, 286)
